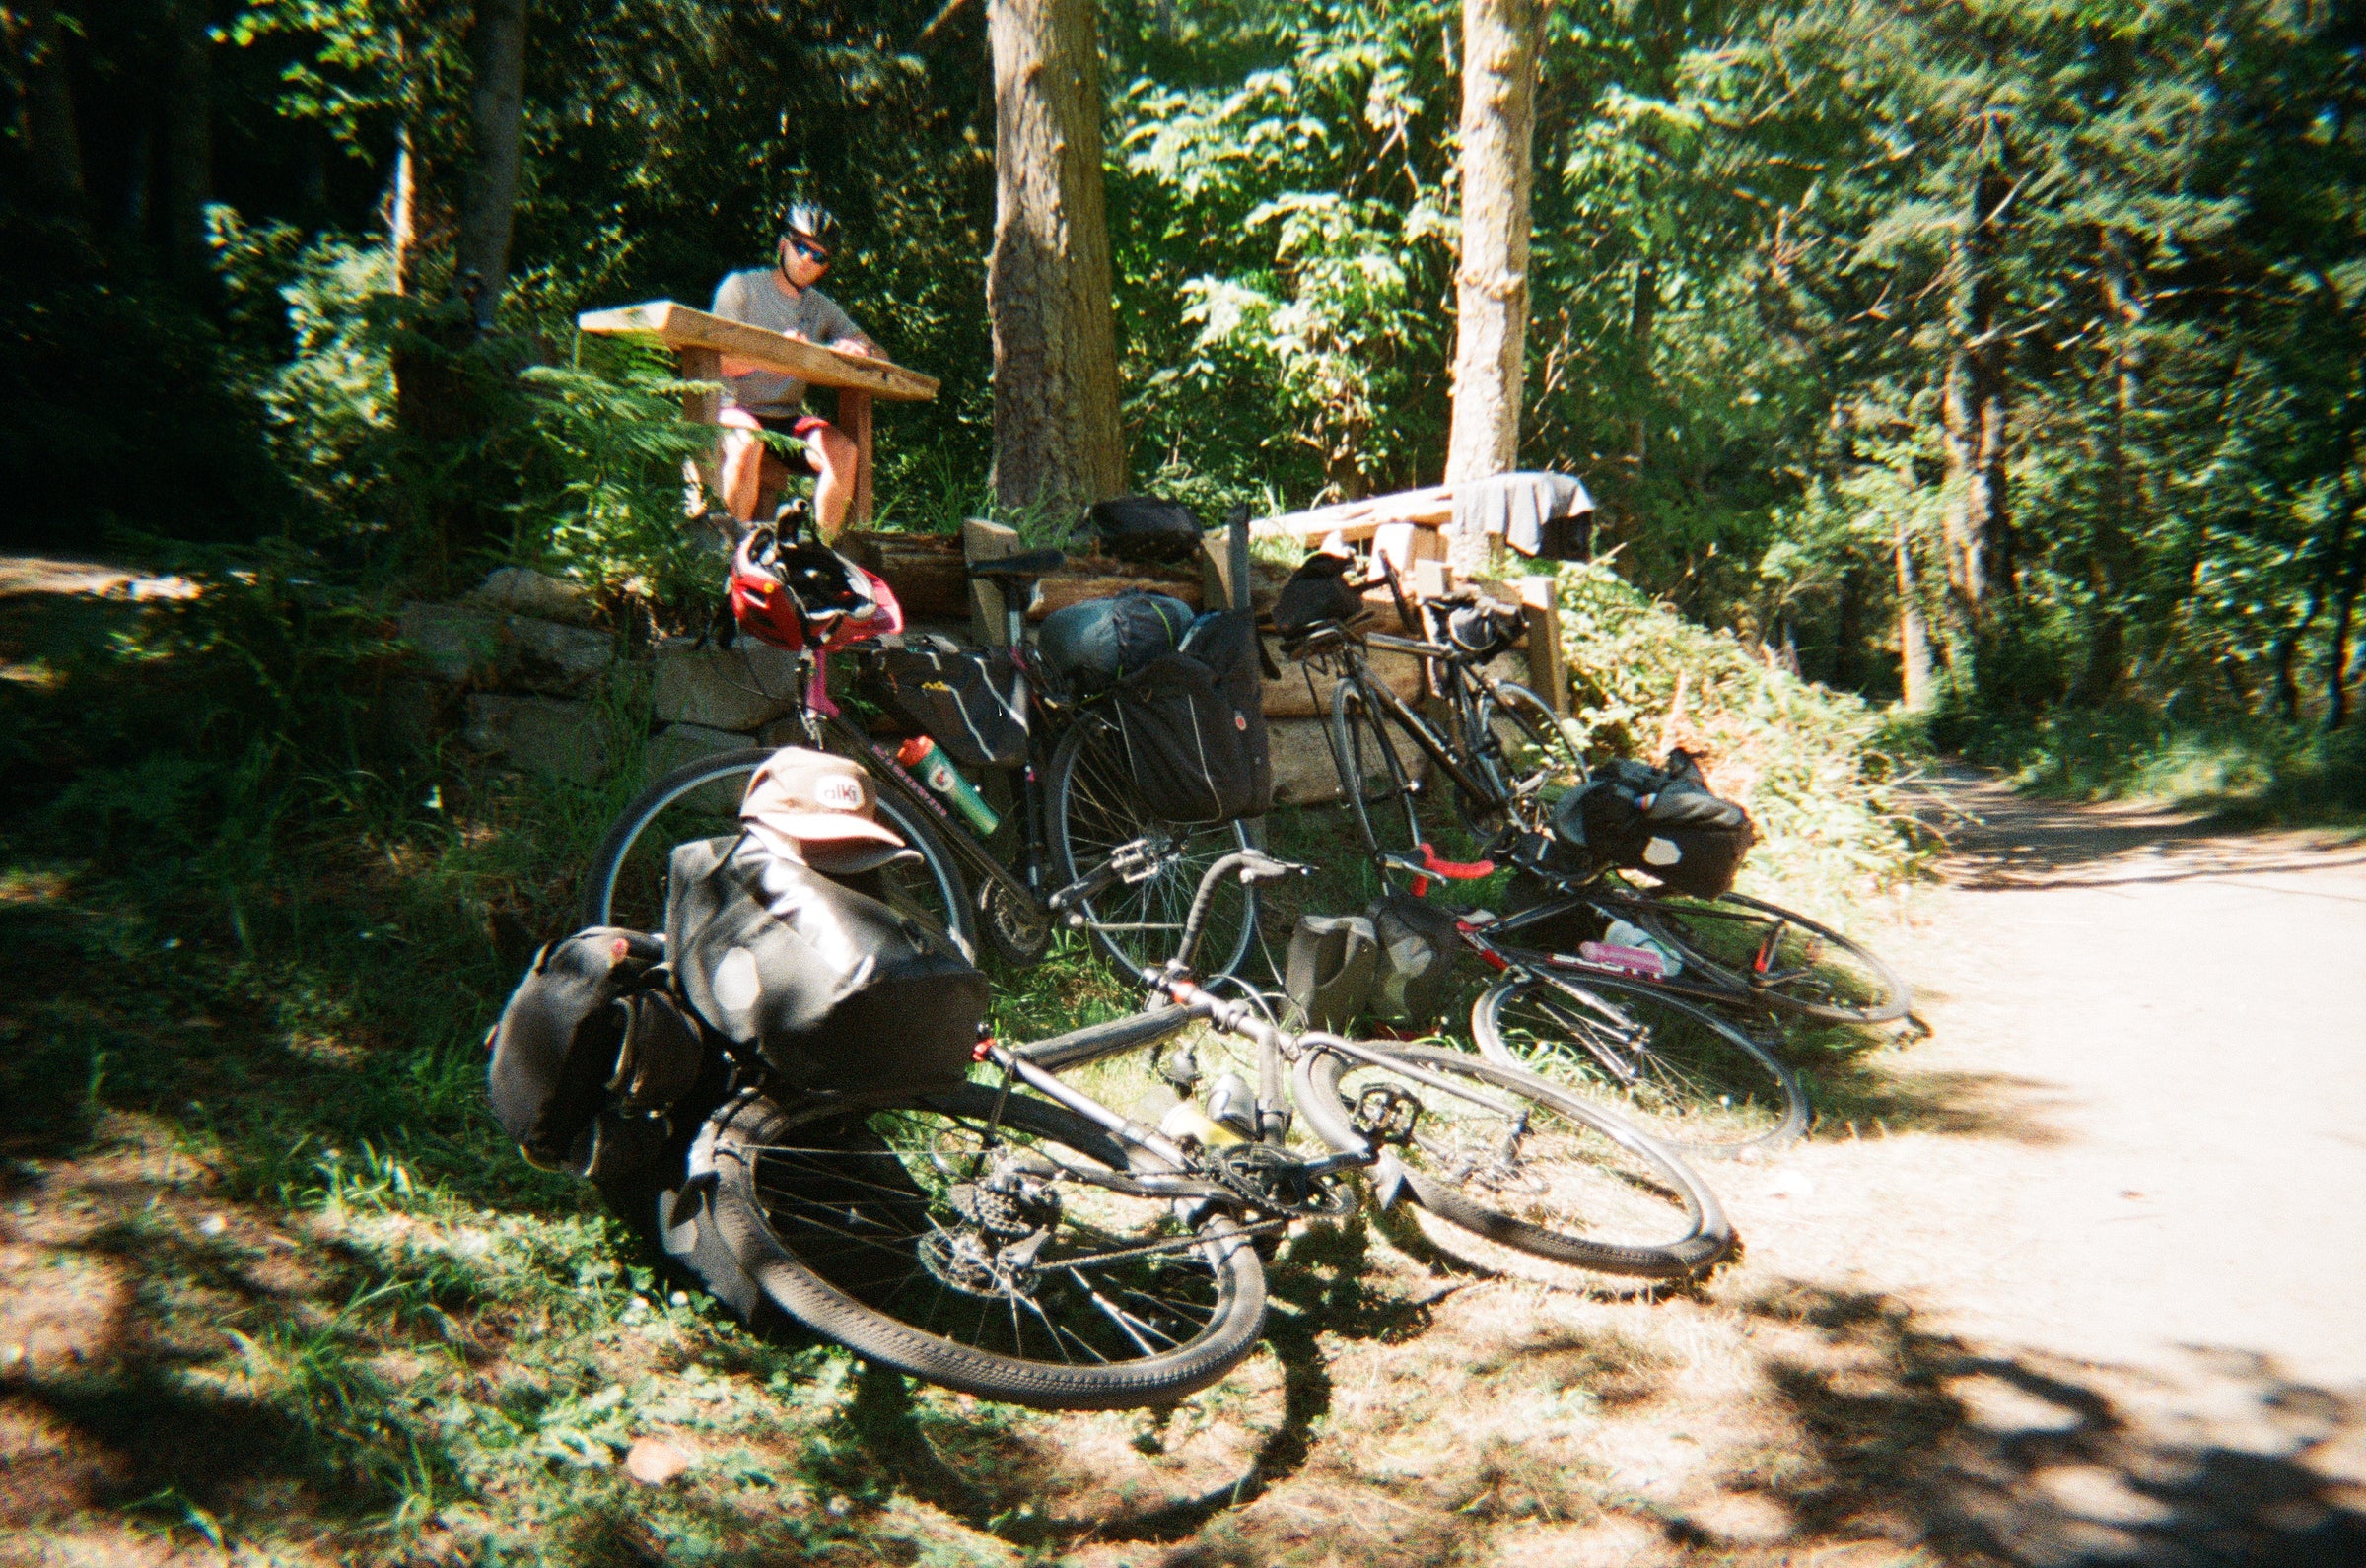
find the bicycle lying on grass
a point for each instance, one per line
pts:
(1074, 801)
(1021, 1241)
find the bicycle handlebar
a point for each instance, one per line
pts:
(1254, 866)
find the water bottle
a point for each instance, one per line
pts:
(927, 759)
(1629, 946)
(1230, 1102)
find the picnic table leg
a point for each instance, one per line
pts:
(703, 408)
(1548, 665)
(854, 419)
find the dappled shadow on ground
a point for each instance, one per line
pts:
(2003, 840)
(1857, 1097)
(1914, 1437)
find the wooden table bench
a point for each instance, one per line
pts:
(700, 341)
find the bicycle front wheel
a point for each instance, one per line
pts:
(1680, 1073)
(989, 1245)
(1372, 772)
(1778, 959)
(1516, 1162)
(626, 883)
(1094, 810)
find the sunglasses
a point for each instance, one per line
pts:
(810, 252)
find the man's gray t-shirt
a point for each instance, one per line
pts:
(753, 298)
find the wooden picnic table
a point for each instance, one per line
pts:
(700, 341)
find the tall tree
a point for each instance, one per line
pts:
(51, 135)
(497, 112)
(188, 164)
(1056, 439)
(1491, 332)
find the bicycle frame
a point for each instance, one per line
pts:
(1535, 963)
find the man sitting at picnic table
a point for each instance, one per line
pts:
(783, 298)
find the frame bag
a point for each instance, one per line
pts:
(1660, 821)
(953, 698)
(1092, 645)
(833, 989)
(1192, 727)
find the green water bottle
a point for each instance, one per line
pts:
(927, 759)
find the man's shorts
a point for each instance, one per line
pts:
(799, 460)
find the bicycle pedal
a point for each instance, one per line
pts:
(1386, 1114)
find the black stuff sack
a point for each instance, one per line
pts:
(1092, 647)
(957, 700)
(1145, 528)
(1192, 727)
(1317, 592)
(833, 989)
(591, 1027)
(1660, 821)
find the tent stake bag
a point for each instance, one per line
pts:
(833, 989)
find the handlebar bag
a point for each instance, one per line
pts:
(832, 987)
(1192, 727)
(956, 699)
(1145, 528)
(591, 1027)
(1660, 821)
(1318, 591)
(1092, 645)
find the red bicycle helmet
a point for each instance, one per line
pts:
(795, 594)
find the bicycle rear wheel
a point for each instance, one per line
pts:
(1373, 775)
(1095, 809)
(1512, 1160)
(1524, 754)
(987, 1244)
(1680, 1073)
(626, 883)
(1779, 959)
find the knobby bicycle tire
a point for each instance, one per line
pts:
(1814, 971)
(1538, 1170)
(1094, 809)
(1683, 1074)
(934, 890)
(860, 1238)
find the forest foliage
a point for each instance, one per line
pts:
(2034, 325)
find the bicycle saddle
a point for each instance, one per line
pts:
(1019, 568)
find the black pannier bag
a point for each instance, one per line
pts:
(1660, 821)
(1192, 727)
(1145, 528)
(590, 1030)
(958, 699)
(832, 987)
(1318, 591)
(1092, 645)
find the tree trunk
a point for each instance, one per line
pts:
(1491, 293)
(497, 109)
(1916, 689)
(2107, 564)
(1975, 408)
(1057, 446)
(402, 215)
(52, 140)
(188, 172)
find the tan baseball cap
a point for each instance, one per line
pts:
(818, 808)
